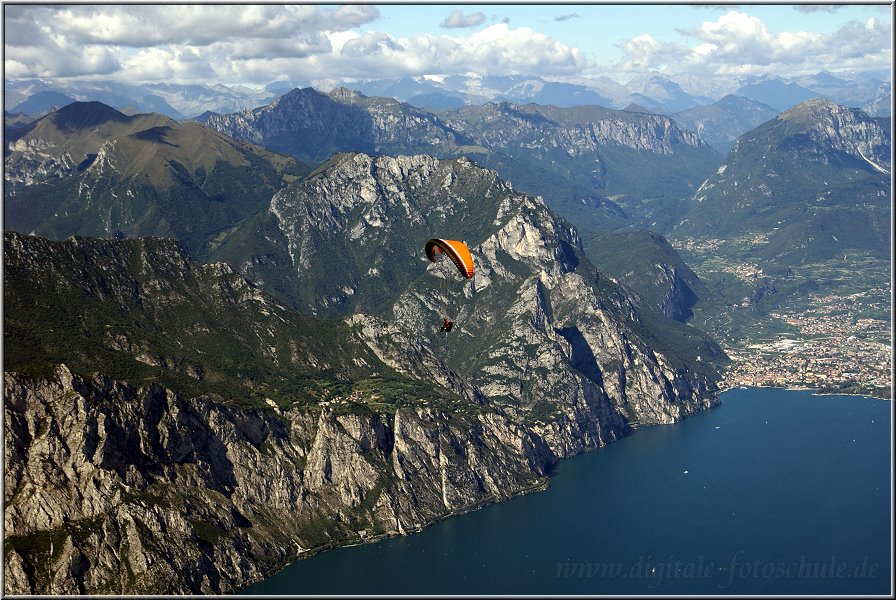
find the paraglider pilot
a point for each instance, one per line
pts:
(460, 255)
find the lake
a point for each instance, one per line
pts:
(774, 492)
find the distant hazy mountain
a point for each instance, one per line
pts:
(41, 103)
(88, 169)
(14, 121)
(657, 92)
(191, 100)
(777, 93)
(436, 101)
(665, 92)
(402, 89)
(173, 100)
(812, 183)
(722, 122)
(635, 107)
(556, 94)
(117, 95)
(12, 98)
(868, 93)
(880, 104)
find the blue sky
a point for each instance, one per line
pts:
(256, 44)
(597, 29)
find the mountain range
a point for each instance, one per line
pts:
(184, 408)
(580, 159)
(88, 169)
(657, 92)
(207, 422)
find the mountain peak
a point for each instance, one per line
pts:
(812, 104)
(85, 114)
(843, 129)
(344, 93)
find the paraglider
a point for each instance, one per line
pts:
(460, 256)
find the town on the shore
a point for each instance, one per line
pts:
(833, 349)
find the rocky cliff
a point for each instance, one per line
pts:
(142, 478)
(540, 332)
(576, 130)
(115, 489)
(313, 125)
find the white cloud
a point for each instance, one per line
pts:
(188, 41)
(810, 8)
(739, 43)
(258, 43)
(494, 50)
(644, 52)
(457, 19)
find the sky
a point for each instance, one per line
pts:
(257, 44)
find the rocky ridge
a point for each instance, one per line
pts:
(576, 130)
(534, 289)
(116, 489)
(153, 490)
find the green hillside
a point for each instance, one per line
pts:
(141, 311)
(143, 178)
(809, 185)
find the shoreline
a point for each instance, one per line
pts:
(539, 485)
(815, 391)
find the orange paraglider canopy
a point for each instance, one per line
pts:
(457, 251)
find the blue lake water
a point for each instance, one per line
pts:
(774, 492)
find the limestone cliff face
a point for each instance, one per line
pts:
(540, 333)
(312, 125)
(575, 130)
(545, 338)
(116, 488)
(113, 489)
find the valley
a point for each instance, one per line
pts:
(824, 326)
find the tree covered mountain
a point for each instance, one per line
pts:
(88, 169)
(143, 311)
(651, 267)
(812, 182)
